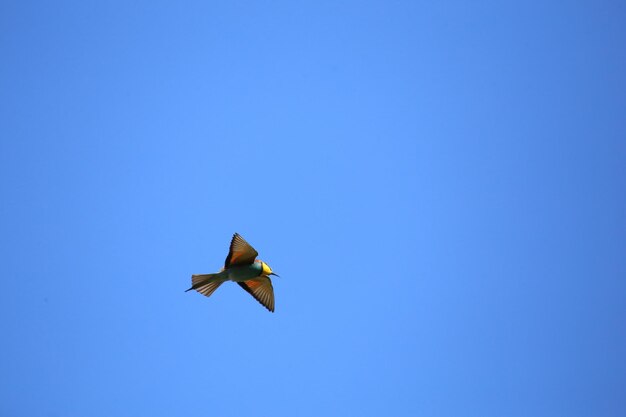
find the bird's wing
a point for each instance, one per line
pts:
(261, 289)
(240, 253)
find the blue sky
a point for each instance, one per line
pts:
(440, 185)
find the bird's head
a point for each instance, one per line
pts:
(266, 269)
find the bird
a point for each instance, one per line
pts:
(241, 266)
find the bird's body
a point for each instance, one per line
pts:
(242, 267)
(244, 272)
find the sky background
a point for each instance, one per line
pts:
(440, 185)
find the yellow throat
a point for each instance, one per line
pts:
(266, 268)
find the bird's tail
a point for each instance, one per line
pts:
(205, 284)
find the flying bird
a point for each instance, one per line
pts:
(241, 266)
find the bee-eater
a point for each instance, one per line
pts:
(241, 266)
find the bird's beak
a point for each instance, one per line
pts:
(275, 274)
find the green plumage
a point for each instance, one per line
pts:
(243, 272)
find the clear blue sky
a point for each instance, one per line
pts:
(440, 185)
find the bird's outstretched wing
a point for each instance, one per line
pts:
(261, 289)
(240, 253)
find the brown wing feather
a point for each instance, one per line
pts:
(262, 291)
(240, 253)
